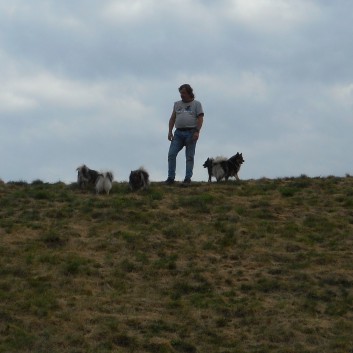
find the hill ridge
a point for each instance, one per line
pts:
(251, 266)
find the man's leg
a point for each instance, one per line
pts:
(175, 146)
(189, 155)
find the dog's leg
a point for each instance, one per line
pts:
(209, 165)
(226, 175)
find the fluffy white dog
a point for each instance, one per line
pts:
(104, 182)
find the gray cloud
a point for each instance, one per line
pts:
(88, 82)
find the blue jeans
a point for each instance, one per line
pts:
(181, 139)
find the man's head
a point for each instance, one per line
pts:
(186, 93)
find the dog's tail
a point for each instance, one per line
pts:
(219, 159)
(145, 177)
(218, 171)
(109, 175)
(218, 167)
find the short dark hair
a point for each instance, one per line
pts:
(188, 89)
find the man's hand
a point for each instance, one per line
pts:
(195, 136)
(170, 136)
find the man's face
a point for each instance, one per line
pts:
(184, 95)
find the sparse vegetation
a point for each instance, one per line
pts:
(238, 267)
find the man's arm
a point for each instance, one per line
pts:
(199, 126)
(171, 126)
(199, 121)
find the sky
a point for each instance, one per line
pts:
(94, 82)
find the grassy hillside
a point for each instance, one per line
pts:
(250, 266)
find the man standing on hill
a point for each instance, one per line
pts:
(187, 117)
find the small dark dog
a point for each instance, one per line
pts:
(221, 167)
(104, 182)
(234, 164)
(139, 179)
(86, 176)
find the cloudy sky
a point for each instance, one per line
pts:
(94, 82)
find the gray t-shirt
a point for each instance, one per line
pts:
(187, 113)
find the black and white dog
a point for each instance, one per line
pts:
(139, 179)
(104, 182)
(221, 167)
(216, 167)
(86, 176)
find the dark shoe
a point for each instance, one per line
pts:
(187, 181)
(169, 181)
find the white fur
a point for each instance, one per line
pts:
(104, 182)
(220, 159)
(217, 170)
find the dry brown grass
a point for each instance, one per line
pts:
(256, 266)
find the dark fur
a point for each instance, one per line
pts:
(86, 176)
(139, 179)
(224, 168)
(234, 164)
